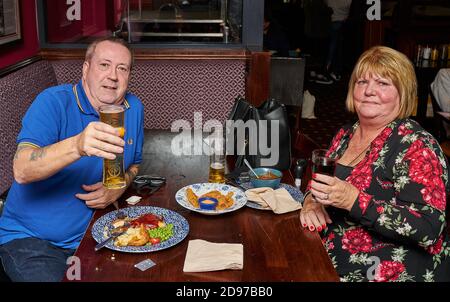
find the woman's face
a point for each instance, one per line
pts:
(376, 99)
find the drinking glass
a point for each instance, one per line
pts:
(217, 162)
(113, 169)
(323, 164)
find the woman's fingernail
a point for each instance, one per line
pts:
(319, 228)
(311, 228)
(324, 226)
(314, 175)
(304, 225)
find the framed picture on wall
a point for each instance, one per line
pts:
(9, 21)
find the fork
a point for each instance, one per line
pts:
(119, 214)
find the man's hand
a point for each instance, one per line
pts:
(99, 197)
(99, 139)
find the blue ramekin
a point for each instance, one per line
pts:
(208, 203)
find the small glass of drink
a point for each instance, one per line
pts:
(113, 169)
(322, 164)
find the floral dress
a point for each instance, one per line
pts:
(396, 230)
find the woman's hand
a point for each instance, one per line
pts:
(313, 215)
(332, 191)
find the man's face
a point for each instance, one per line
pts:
(106, 75)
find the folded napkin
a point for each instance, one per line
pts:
(279, 200)
(204, 256)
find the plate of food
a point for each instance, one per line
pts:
(143, 229)
(295, 193)
(229, 198)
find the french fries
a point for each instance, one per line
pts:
(224, 201)
(192, 198)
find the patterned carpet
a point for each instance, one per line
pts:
(329, 109)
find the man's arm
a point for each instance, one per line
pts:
(131, 173)
(33, 163)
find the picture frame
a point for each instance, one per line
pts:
(9, 21)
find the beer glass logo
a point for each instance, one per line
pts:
(114, 170)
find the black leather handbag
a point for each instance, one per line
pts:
(270, 110)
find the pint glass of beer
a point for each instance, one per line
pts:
(217, 162)
(113, 169)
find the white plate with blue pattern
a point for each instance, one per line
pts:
(199, 189)
(295, 193)
(104, 223)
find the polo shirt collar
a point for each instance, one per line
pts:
(83, 102)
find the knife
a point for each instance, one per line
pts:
(235, 184)
(105, 242)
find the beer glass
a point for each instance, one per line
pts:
(217, 162)
(113, 169)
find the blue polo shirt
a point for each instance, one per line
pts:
(48, 209)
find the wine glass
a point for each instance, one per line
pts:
(322, 163)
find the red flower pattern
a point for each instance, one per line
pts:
(417, 214)
(424, 168)
(402, 130)
(389, 271)
(437, 247)
(357, 241)
(336, 141)
(364, 200)
(434, 196)
(361, 177)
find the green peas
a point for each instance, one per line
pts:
(163, 233)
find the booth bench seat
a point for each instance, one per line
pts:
(169, 89)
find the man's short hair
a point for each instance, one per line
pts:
(91, 48)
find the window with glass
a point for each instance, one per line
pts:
(143, 21)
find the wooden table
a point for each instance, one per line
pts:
(276, 247)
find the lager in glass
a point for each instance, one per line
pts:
(113, 169)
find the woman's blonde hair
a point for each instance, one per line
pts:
(391, 64)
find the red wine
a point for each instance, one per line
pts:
(324, 166)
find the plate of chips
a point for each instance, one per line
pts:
(229, 198)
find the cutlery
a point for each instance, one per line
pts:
(107, 240)
(250, 167)
(114, 233)
(119, 214)
(235, 184)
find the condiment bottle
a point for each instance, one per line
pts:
(299, 171)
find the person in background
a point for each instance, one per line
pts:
(441, 92)
(59, 160)
(383, 214)
(341, 10)
(333, 65)
(275, 38)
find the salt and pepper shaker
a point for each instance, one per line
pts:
(299, 171)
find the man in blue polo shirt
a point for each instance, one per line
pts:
(58, 164)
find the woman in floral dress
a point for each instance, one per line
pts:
(383, 213)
